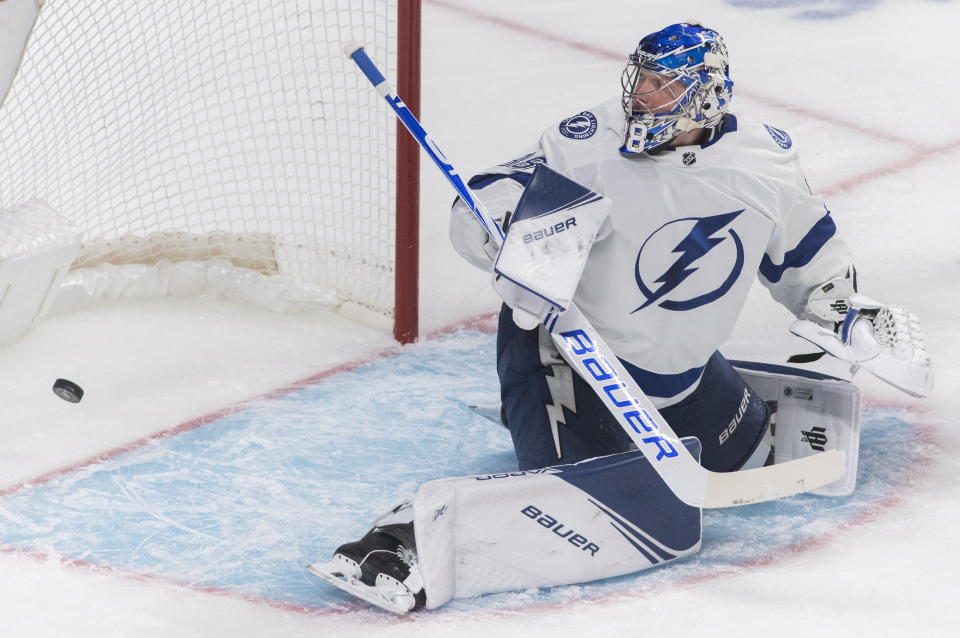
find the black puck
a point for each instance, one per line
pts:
(67, 390)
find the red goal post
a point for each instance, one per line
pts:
(225, 131)
(406, 312)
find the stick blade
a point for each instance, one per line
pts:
(729, 489)
(389, 596)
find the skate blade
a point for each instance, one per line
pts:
(388, 594)
(489, 412)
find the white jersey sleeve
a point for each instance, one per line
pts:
(499, 189)
(804, 250)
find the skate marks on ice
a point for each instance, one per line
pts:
(242, 503)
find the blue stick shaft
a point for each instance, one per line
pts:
(360, 57)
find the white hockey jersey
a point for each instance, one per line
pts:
(691, 227)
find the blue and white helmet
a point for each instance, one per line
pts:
(690, 63)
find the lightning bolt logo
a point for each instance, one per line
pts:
(560, 385)
(698, 242)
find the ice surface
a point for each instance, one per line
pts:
(865, 88)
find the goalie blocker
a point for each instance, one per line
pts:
(600, 518)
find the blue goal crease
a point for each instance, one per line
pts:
(243, 502)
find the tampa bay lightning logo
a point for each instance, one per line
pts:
(580, 126)
(702, 235)
(780, 137)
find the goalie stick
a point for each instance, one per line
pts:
(589, 355)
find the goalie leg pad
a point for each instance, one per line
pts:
(814, 413)
(560, 525)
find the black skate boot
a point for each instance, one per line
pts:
(380, 568)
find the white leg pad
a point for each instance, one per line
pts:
(814, 413)
(597, 519)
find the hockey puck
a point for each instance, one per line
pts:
(67, 390)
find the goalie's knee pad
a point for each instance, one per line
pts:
(812, 413)
(726, 414)
(555, 417)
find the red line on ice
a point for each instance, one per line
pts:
(485, 323)
(191, 424)
(921, 152)
(621, 56)
(143, 577)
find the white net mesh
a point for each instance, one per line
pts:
(214, 118)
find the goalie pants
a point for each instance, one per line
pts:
(723, 412)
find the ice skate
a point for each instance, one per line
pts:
(381, 568)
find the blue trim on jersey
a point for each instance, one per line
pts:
(804, 252)
(727, 125)
(663, 385)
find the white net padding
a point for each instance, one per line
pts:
(217, 124)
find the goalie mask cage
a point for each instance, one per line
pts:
(198, 129)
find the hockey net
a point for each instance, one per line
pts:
(174, 131)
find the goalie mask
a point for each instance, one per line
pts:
(677, 80)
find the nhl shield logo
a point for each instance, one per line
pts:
(689, 159)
